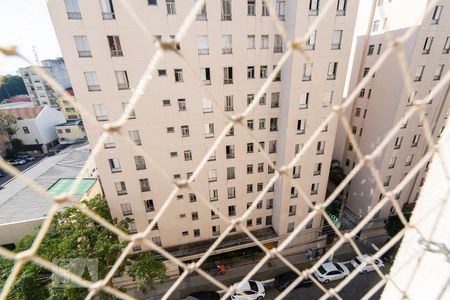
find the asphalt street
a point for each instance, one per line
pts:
(21, 168)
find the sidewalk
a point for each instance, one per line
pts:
(194, 282)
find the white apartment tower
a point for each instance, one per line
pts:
(234, 47)
(383, 102)
(40, 92)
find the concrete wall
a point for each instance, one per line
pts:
(13, 232)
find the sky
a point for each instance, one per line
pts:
(26, 23)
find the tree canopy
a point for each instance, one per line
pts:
(74, 235)
(13, 85)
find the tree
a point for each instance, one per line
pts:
(8, 125)
(12, 85)
(74, 235)
(393, 224)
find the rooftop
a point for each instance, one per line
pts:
(16, 105)
(71, 123)
(24, 112)
(20, 202)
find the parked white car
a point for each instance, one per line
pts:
(252, 290)
(17, 162)
(369, 267)
(331, 271)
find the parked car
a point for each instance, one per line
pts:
(27, 157)
(369, 267)
(17, 161)
(331, 271)
(205, 295)
(2, 174)
(282, 281)
(252, 290)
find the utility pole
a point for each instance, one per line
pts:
(38, 63)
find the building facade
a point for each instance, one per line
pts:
(71, 132)
(385, 99)
(69, 109)
(234, 47)
(57, 69)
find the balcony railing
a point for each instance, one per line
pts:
(215, 233)
(340, 12)
(108, 16)
(213, 199)
(335, 46)
(230, 155)
(314, 192)
(331, 76)
(102, 118)
(120, 193)
(214, 217)
(226, 17)
(209, 135)
(201, 17)
(313, 12)
(127, 213)
(116, 53)
(94, 87)
(108, 145)
(74, 15)
(203, 51)
(316, 172)
(277, 49)
(300, 131)
(281, 17)
(310, 46)
(123, 86)
(320, 151)
(212, 179)
(84, 53)
(207, 110)
(150, 209)
(227, 81)
(206, 82)
(227, 51)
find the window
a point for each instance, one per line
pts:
(391, 163)
(185, 131)
(332, 69)
(132, 114)
(264, 9)
(171, 9)
(272, 146)
(292, 208)
(251, 8)
(194, 216)
(446, 49)
(294, 193)
(228, 75)
(273, 124)
(262, 99)
(311, 43)
(398, 142)
(227, 44)
(278, 76)
(307, 69)
(226, 10)
(109, 142)
(121, 188)
(144, 184)
(262, 124)
(132, 227)
(202, 16)
(336, 40)
(213, 195)
(229, 150)
(122, 80)
(366, 71)
(409, 160)
(215, 230)
(250, 72)
(354, 129)
(250, 124)
(304, 100)
(135, 137)
(301, 124)
(379, 49)
(182, 104)
(73, 9)
(264, 42)
(386, 181)
(290, 227)
(263, 70)
(91, 81)
(231, 131)
(249, 147)
(209, 130)
(114, 45)
(371, 49)
(114, 164)
(27, 131)
(296, 172)
(187, 155)
(268, 220)
(320, 147)
(250, 41)
(178, 75)
(229, 103)
(269, 204)
(149, 207)
(278, 44)
(202, 44)
(152, 2)
(249, 188)
(427, 45)
(166, 102)
(140, 162)
(438, 72)
(157, 240)
(249, 224)
(415, 140)
(192, 197)
(419, 73)
(207, 105)
(281, 9)
(436, 14)
(314, 188)
(82, 44)
(170, 129)
(249, 169)
(328, 97)
(341, 7)
(126, 209)
(275, 100)
(313, 7)
(231, 192)
(317, 169)
(205, 76)
(260, 167)
(375, 26)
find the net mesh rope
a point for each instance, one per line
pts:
(395, 47)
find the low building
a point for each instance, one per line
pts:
(36, 126)
(22, 209)
(71, 132)
(68, 108)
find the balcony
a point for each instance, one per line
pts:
(84, 53)
(123, 86)
(74, 15)
(94, 87)
(108, 16)
(116, 53)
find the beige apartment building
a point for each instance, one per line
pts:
(383, 102)
(234, 46)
